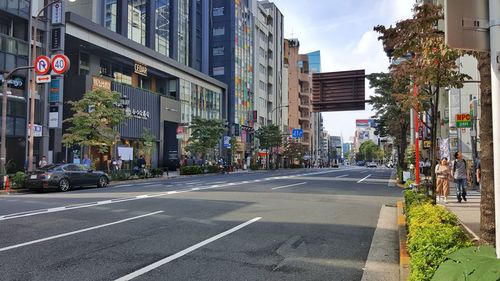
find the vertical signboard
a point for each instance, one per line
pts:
(57, 14)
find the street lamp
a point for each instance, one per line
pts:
(33, 84)
(280, 106)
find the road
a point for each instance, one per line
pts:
(307, 224)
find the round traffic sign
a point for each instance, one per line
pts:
(60, 64)
(42, 65)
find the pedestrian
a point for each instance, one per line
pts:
(478, 173)
(141, 163)
(443, 173)
(86, 160)
(461, 176)
(427, 167)
(43, 162)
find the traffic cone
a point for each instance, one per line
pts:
(7, 183)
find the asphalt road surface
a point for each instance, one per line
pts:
(308, 224)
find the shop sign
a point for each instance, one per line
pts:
(57, 13)
(141, 69)
(37, 130)
(427, 144)
(100, 83)
(139, 114)
(463, 120)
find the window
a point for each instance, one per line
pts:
(262, 52)
(218, 11)
(110, 17)
(137, 21)
(219, 70)
(220, 30)
(183, 32)
(262, 85)
(262, 69)
(162, 28)
(218, 51)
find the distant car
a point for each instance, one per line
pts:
(371, 165)
(360, 163)
(65, 177)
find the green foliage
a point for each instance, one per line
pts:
(294, 151)
(399, 171)
(254, 166)
(367, 151)
(410, 155)
(18, 180)
(471, 264)
(148, 144)
(120, 175)
(234, 148)
(433, 233)
(269, 136)
(191, 170)
(296, 166)
(156, 172)
(211, 169)
(95, 120)
(205, 135)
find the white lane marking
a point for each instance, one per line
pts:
(290, 185)
(124, 185)
(342, 176)
(125, 199)
(75, 232)
(184, 252)
(364, 178)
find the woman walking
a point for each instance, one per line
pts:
(443, 173)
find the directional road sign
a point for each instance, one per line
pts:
(42, 65)
(297, 133)
(43, 79)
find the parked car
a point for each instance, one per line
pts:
(371, 165)
(64, 177)
(360, 163)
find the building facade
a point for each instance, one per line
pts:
(153, 53)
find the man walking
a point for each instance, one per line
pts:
(461, 176)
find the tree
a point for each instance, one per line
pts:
(390, 117)
(367, 151)
(205, 135)
(433, 65)
(269, 136)
(234, 149)
(294, 151)
(148, 144)
(95, 120)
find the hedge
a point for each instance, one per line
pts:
(191, 170)
(433, 234)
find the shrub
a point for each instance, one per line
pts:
(254, 166)
(119, 175)
(296, 166)
(433, 234)
(156, 172)
(415, 197)
(191, 170)
(213, 169)
(18, 180)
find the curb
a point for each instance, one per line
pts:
(404, 257)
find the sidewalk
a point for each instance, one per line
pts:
(467, 212)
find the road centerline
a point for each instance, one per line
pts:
(289, 185)
(342, 176)
(75, 232)
(184, 252)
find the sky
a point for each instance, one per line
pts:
(343, 31)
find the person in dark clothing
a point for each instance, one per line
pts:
(141, 164)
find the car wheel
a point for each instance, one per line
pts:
(103, 182)
(64, 185)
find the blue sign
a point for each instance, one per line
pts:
(55, 89)
(297, 133)
(227, 141)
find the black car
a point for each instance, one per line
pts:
(65, 177)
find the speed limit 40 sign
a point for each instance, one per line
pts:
(60, 64)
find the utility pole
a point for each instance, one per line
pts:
(494, 9)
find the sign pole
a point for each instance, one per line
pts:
(494, 8)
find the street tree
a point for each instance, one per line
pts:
(431, 66)
(148, 144)
(294, 151)
(95, 120)
(390, 117)
(235, 146)
(368, 151)
(205, 136)
(269, 136)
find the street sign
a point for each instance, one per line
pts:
(42, 65)
(57, 13)
(37, 130)
(297, 133)
(463, 120)
(227, 141)
(60, 64)
(40, 79)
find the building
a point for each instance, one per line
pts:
(14, 52)
(268, 46)
(154, 53)
(299, 93)
(232, 62)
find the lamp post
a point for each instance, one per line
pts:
(280, 106)
(33, 84)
